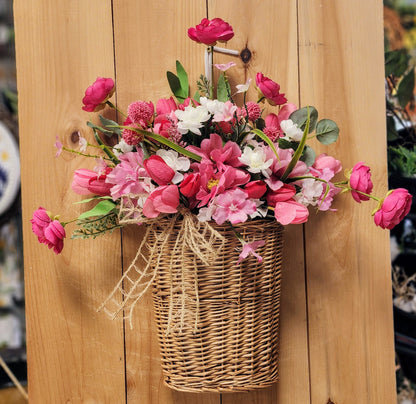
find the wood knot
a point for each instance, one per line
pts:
(245, 55)
(75, 137)
(330, 401)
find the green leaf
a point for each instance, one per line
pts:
(197, 96)
(308, 156)
(327, 131)
(223, 88)
(405, 89)
(110, 125)
(266, 139)
(287, 144)
(396, 62)
(101, 209)
(175, 86)
(300, 117)
(183, 79)
(94, 198)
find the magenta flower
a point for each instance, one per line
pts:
(190, 184)
(396, 205)
(255, 189)
(130, 136)
(209, 32)
(158, 170)
(234, 206)
(141, 112)
(129, 177)
(164, 199)
(49, 232)
(270, 90)
(360, 180)
(250, 249)
(97, 94)
(165, 106)
(87, 182)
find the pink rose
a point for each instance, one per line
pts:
(209, 32)
(323, 161)
(270, 90)
(97, 94)
(158, 170)
(360, 180)
(190, 184)
(89, 182)
(290, 212)
(164, 199)
(49, 232)
(395, 207)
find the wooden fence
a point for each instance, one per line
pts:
(336, 319)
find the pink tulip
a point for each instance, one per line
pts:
(284, 193)
(395, 207)
(290, 212)
(158, 170)
(87, 182)
(190, 184)
(255, 189)
(164, 199)
(165, 105)
(270, 90)
(209, 32)
(97, 94)
(360, 180)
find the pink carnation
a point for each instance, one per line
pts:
(97, 94)
(141, 112)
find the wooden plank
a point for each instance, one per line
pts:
(149, 38)
(74, 355)
(270, 33)
(348, 271)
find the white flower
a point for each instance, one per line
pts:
(205, 214)
(242, 88)
(212, 106)
(191, 119)
(82, 143)
(121, 148)
(175, 163)
(255, 160)
(310, 193)
(291, 130)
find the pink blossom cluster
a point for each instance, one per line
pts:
(223, 162)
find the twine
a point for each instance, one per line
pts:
(190, 235)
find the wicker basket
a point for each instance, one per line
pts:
(235, 344)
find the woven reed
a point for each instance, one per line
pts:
(235, 345)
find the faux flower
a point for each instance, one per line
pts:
(225, 66)
(141, 112)
(256, 160)
(360, 180)
(395, 206)
(209, 32)
(250, 249)
(291, 130)
(165, 106)
(158, 170)
(87, 182)
(176, 163)
(243, 88)
(192, 119)
(270, 90)
(290, 212)
(97, 94)
(164, 199)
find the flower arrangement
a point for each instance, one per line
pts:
(223, 162)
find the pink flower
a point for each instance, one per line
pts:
(130, 136)
(165, 106)
(49, 232)
(360, 180)
(141, 112)
(272, 121)
(129, 177)
(290, 212)
(250, 249)
(164, 199)
(227, 113)
(97, 94)
(253, 109)
(225, 66)
(270, 90)
(190, 184)
(89, 182)
(323, 161)
(284, 193)
(209, 32)
(255, 189)
(59, 146)
(158, 170)
(234, 206)
(395, 207)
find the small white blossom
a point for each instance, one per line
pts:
(242, 88)
(121, 148)
(191, 119)
(255, 160)
(82, 143)
(212, 106)
(291, 130)
(310, 193)
(175, 162)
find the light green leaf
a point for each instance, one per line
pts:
(111, 126)
(183, 79)
(175, 86)
(327, 131)
(300, 117)
(101, 209)
(223, 88)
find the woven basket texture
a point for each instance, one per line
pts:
(233, 344)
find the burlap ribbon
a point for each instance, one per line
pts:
(190, 235)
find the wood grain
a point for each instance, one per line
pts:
(74, 354)
(348, 272)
